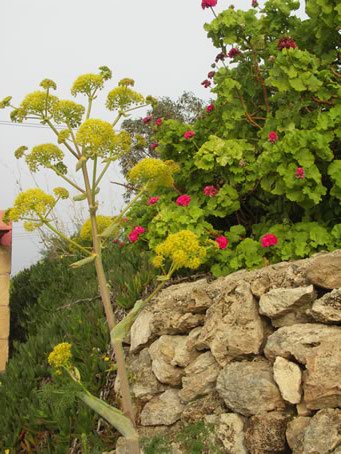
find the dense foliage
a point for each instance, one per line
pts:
(263, 161)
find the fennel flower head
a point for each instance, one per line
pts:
(97, 137)
(182, 248)
(60, 356)
(46, 155)
(123, 98)
(102, 223)
(153, 172)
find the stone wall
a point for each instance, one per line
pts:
(258, 354)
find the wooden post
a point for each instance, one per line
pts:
(5, 269)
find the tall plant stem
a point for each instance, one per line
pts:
(106, 300)
(68, 240)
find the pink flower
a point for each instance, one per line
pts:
(286, 43)
(268, 240)
(139, 230)
(208, 3)
(209, 108)
(154, 145)
(211, 74)
(183, 200)
(133, 237)
(159, 121)
(233, 52)
(299, 173)
(210, 191)
(272, 136)
(254, 4)
(221, 56)
(206, 83)
(222, 242)
(147, 119)
(153, 200)
(189, 134)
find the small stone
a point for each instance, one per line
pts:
(288, 377)
(295, 433)
(164, 409)
(260, 286)
(196, 410)
(325, 271)
(265, 433)
(248, 388)
(328, 308)
(230, 431)
(140, 332)
(303, 410)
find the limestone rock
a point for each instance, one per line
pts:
(303, 410)
(300, 341)
(322, 378)
(295, 433)
(201, 377)
(233, 327)
(164, 409)
(248, 388)
(299, 315)
(196, 410)
(288, 377)
(141, 332)
(323, 435)
(144, 384)
(328, 308)
(280, 301)
(266, 433)
(325, 271)
(230, 431)
(260, 285)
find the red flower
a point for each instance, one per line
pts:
(221, 56)
(286, 43)
(183, 200)
(272, 136)
(154, 145)
(233, 52)
(222, 242)
(299, 173)
(206, 83)
(209, 108)
(133, 237)
(147, 119)
(159, 121)
(268, 240)
(139, 230)
(153, 200)
(210, 191)
(189, 134)
(211, 74)
(208, 3)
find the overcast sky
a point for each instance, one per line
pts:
(159, 43)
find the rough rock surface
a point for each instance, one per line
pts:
(325, 271)
(288, 377)
(323, 434)
(233, 327)
(164, 409)
(266, 433)
(140, 332)
(248, 388)
(230, 431)
(196, 410)
(295, 433)
(328, 308)
(200, 379)
(279, 302)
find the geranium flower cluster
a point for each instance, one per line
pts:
(134, 235)
(208, 3)
(183, 249)
(286, 43)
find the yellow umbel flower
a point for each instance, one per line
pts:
(157, 261)
(68, 112)
(60, 356)
(62, 193)
(153, 172)
(102, 223)
(97, 136)
(48, 83)
(45, 155)
(31, 203)
(87, 84)
(123, 98)
(37, 103)
(183, 249)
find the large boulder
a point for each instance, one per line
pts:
(323, 434)
(164, 409)
(233, 327)
(325, 271)
(288, 377)
(328, 308)
(248, 388)
(265, 433)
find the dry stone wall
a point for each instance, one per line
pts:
(257, 354)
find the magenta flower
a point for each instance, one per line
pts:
(153, 200)
(139, 230)
(272, 136)
(206, 83)
(300, 173)
(286, 43)
(208, 3)
(222, 242)
(211, 74)
(210, 108)
(154, 145)
(233, 52)
(210, 191)
(147, 119)
(268, 240)
(220, 57)
(133, 237)
(189, 135)
(183, 200)
(159, 121)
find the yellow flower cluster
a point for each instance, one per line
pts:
(37, 102)
(60, 356)
(97, 136)
(31, 203)
(48, 83)
(102, 223)
(61, 193)
(68, 112)
(182, 248)
(152, 171)
(19, 152)
(126, 82)
(63, 135)
(45, 155)
(123, 98)
(87, 84)
(5, 102)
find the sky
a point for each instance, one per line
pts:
(159, 43)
